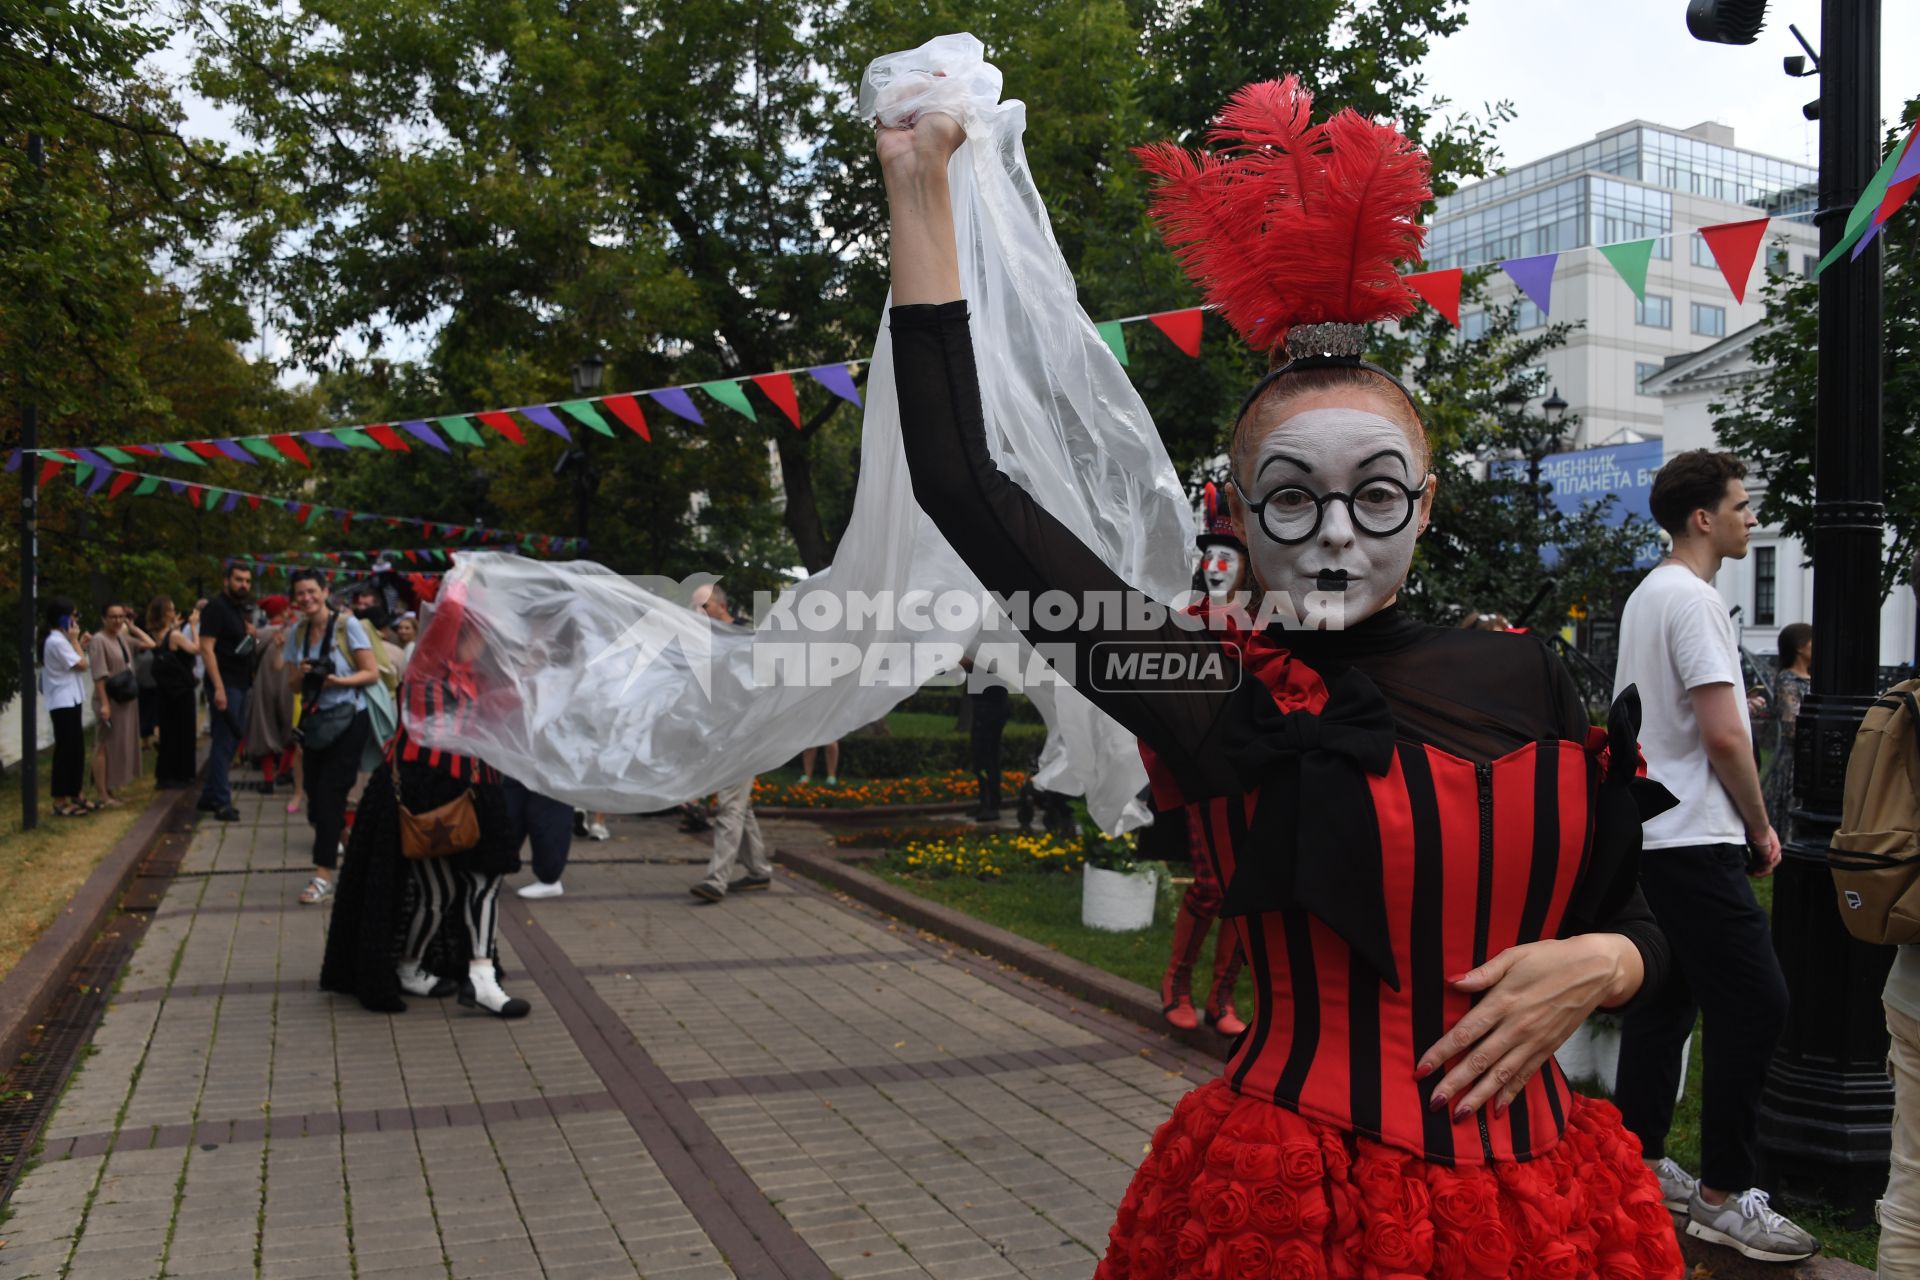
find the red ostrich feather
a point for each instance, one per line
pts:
(1289, 222)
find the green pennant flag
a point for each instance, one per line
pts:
(732, 395)
(1110, 334)
(119, 456)
(208, 497)
(1630, 259)
(180, 453)
(80, 474)
(146, 486)
(260, 448)
(1862, 216)
(460, 431)
(587, 415)
(355, 438)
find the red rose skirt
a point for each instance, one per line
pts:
(1241, 1189)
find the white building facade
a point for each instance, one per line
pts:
(1632, 182)
(1773, 586)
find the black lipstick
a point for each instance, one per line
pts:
(1332, 580)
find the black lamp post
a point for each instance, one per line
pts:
(1826, 1111)
(587, 372)
(1556, 410)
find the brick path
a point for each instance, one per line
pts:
(784, 1085)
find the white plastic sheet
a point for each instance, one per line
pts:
(612, 694)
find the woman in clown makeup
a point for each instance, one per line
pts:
(1429, 859)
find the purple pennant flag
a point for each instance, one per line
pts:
(233, 451)
(13, 460)
(323, 440)
(1866, 238)
(676, 401)
(421, 431)
(233, 500)
(1909, 166)
(1535, 278)
(177, 486)
(837, 378)
(93, 459)
(100, 477)
(542, 416)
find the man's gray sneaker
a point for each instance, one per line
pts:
(1745, 1222)
(1676, 1184)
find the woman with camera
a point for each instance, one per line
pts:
(63, 647)
(330, 660)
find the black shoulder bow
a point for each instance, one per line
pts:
(1315, 842)
(1623, 803)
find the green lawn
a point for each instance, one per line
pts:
(1046, 909)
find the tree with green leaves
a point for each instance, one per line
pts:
(1771, 421)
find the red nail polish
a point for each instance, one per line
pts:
(1422, 1071)
(1499, 1109)
(1439, 1102)
(1458, 977)
(1461, 1113)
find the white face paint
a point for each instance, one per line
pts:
(1220, 568)
(1324, 451)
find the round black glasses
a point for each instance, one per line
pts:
(1379, 507)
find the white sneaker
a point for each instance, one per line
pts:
(540, 889)
(1747, 1223)
(832, 781)
(805, 778)
(416, 981)
(1676, 1184)
(597, 831)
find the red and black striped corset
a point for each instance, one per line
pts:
(447, 702)
(1350, 956)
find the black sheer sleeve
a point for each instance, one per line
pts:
(1016, 546)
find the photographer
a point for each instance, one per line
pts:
(329, 658)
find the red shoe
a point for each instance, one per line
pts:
(1176, 985)
(1227, 963)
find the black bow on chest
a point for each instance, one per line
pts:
(1315, 841)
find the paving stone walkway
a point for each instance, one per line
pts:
(783, 1085)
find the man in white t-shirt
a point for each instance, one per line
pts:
(1678, 646)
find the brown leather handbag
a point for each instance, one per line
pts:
(452, 828)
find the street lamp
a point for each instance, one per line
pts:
(587, 372)
(1555, 405)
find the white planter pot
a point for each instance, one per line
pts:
(1117, 902)
(1591, 1055)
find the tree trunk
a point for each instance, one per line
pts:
(802, 514)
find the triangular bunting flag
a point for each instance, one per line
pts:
(81, 474)
(1116, 340)
(837, 378)
(627, 409)
(1441, 290)
(253, 502)
(1183, 327)
(48, 470)
(730, 394)
(388, 438)
(121, 483)
(779, 389)
(354, 438)
(1734, 246)
(230, 449)
(118, 457)
(233, 500)
(461, 431)
(146, 486)
(1535, 278)
(290, 448)
(13, 460)
(541, 416)
(676, 401)
(321, 440)
(91, 458)
(1906, 177)
(100, 479)
(1630, 259)
(193, 494)
(1860, 220)
(260, 448)
(420, 431)
(504, 424)
(181, 454)
(583, 412)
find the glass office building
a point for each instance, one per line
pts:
(1634, 182)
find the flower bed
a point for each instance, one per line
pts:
(984, 855)
(951, 787)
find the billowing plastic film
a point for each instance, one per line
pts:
(613, 693)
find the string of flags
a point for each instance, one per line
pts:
(329, 571)
(1734, 246)
(351, 559)
(95, 477)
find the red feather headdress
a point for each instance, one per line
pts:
(1288, 223)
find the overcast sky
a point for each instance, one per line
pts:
(1572, 68)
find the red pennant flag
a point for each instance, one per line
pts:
(144, 450)
(193, 494)
(121, 481)
(1899, 192)
(253, 501)
(1181, 326)
(1441, 289)
(288, 446)
(427, 529)
(779, 389)
(70, 453)
(346, 522)
(388, 439)
(48, 470)
(1735, 245)
(627, 409)
(205, 448)
(302, 511)
(504, 424)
